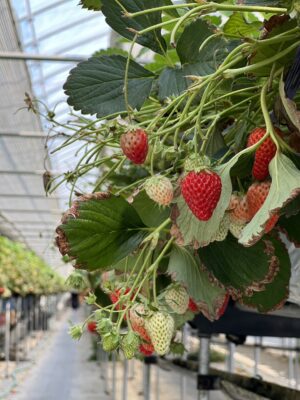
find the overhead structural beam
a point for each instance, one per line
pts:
(31, 135)
(44, 9)
(47, 223)
(27, 210)
(19, 55)
(28, 135)
(22, 172)
(63, 28)
(32, 196)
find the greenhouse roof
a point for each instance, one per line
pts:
(29, 29)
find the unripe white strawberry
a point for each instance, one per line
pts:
(236, 229)
(177, 299)
(160, 327)
(222, 232)
(160, 190)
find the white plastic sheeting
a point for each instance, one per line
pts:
(53, 28)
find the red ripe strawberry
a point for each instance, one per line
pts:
(115, 296)
(264, 154)
(256, 196)
(201, 191)
(193, 306)
(240, 214)
(135, 145)
(92, 326)
(147, 349)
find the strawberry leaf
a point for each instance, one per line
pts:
(150, 212)
(190, 40)
(94, 5)
(285, 186)
(99, 230)
(96, 86)
(186, 268)
(288, 111)
(240, 269)
(127, 27)
(275, 293)
(238, 27)
(291, 227)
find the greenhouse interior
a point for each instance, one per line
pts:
(150, 199)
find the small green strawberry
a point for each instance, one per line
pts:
(104, 326)
(160, 190)
(130, 344)
(160, 327)
(110, 341)
(177, 299)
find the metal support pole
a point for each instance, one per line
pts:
(257, 350)
(203, 367)
(230, 359)
(147, 376)
(297, 370)
(125, 380)
(157, 392)
(105, 372)
(7, 338)
(185, 334)
(291, 372)
(114, 376)
(18, 328)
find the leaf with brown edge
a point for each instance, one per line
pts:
(285, 187)
(275, 293)
(241, 270)
(99, 230)
(185, 267)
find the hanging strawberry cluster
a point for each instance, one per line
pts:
(198, 164)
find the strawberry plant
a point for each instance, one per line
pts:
(193, 133)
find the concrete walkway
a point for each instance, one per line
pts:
(63, 371)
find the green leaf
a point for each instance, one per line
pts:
(292, 208)
(98, 231)
(275, 293)
(238, 27)
(111, 51)
(172, 12)
(150, 212)
(291, 227)
(265, 51)
(128, 26)
(288, 110)
(94, 5)
(171, 82)
(238, 268)
(285, 186)
(191, 39)
(186, 268)
(200, 233)
(96, 86)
